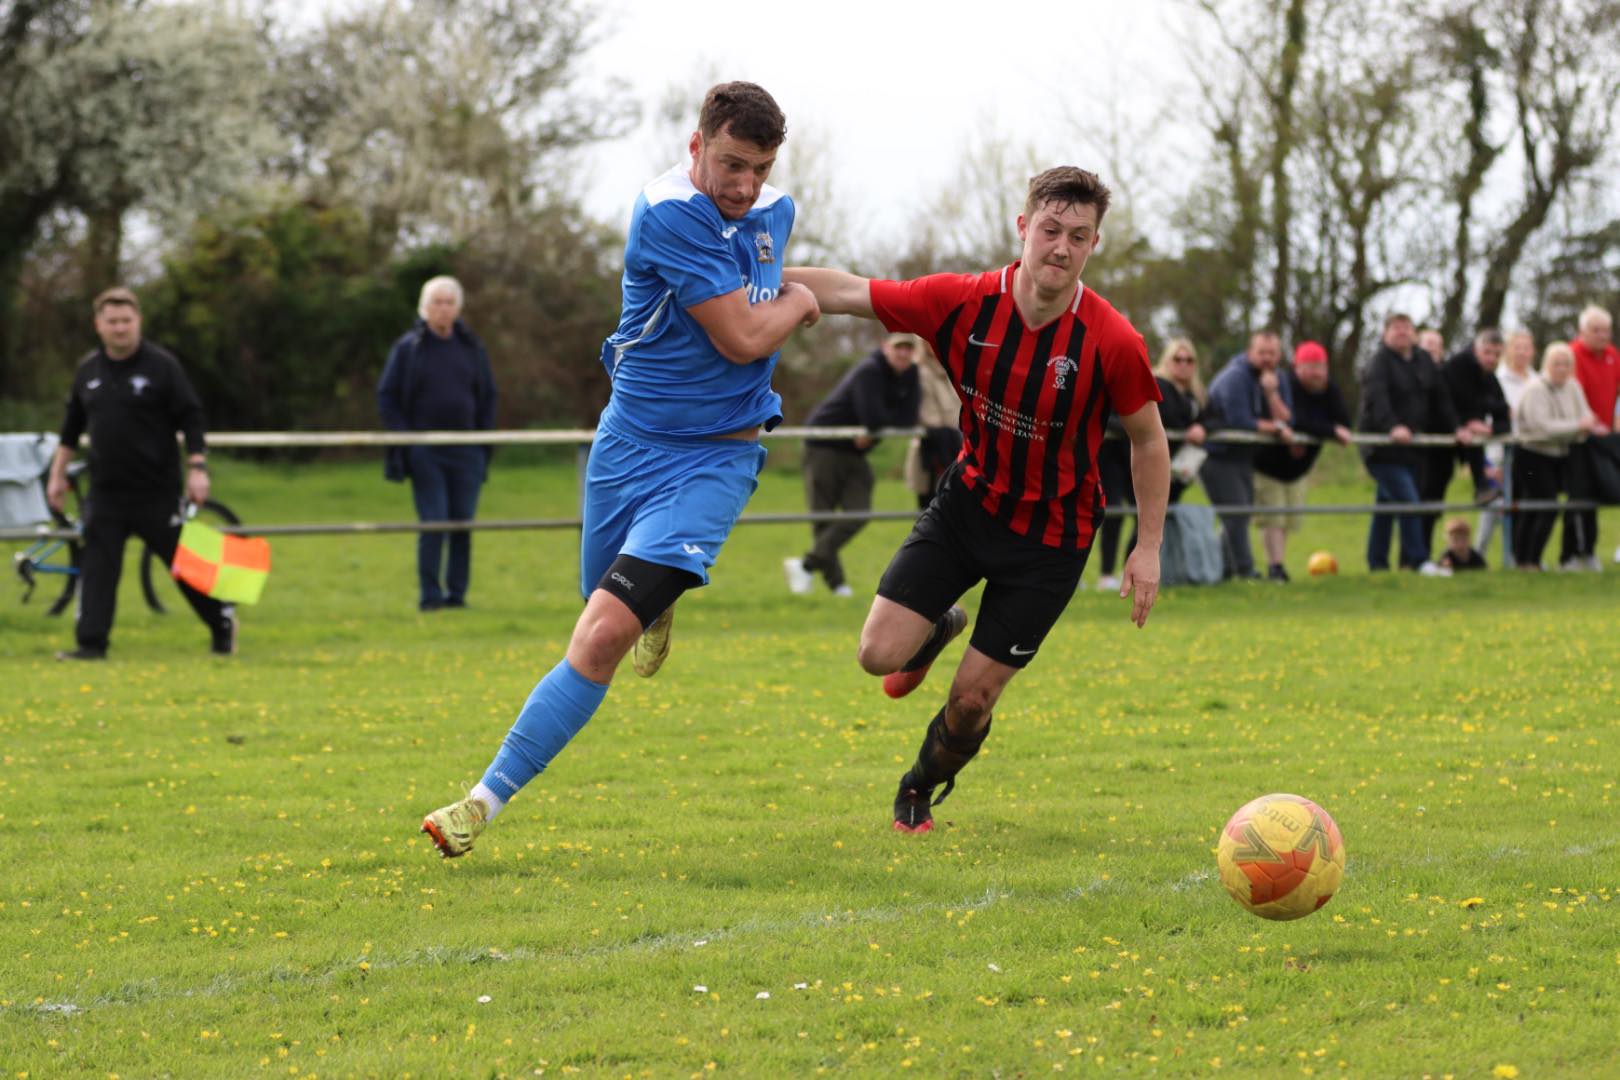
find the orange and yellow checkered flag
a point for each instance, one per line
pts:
(228, 568)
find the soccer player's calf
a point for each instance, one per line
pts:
(951, 549)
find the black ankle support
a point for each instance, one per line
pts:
(943, 755)
(932, 646)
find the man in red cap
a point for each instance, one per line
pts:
(1280, 470)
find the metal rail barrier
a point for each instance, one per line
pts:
(583, 436)
(266, 440)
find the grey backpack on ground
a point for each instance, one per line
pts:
(1191, 553)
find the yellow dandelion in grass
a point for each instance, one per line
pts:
(1505, 1072)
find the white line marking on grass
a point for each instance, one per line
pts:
(148, 990)
(1197, 877)
(221, 985)
(1090, 888)
(1580, 850)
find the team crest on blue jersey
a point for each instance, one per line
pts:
(763, 246)
(1061, 367)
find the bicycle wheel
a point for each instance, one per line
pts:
(154, 569)
(75, 552)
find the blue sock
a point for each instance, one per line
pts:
(561, 704)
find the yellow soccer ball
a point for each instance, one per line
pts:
(1281, 857)
(1322, 562)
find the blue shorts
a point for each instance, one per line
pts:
(670, 503)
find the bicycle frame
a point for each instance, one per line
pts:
(39, 559)
(35, 559)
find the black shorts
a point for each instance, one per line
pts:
(954, 546)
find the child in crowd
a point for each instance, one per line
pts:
(1459, 553)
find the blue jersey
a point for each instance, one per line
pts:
(668, 378)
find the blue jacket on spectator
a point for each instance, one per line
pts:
(1236, 403)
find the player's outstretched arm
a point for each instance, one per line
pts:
(744, 332)
(1150, 474)
(837, 291)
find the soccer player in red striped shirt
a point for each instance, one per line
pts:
(1040, 362)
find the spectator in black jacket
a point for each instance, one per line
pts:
(1180, 405)
(438, 378)
(1181, 408)
(1402, 394)
(1280, 470)
(131, 396)
(1470, 376)
(881, 391)
(1439, 462)
(1114, 470)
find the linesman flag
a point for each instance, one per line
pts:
(228, 568)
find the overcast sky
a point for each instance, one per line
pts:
(888, 92)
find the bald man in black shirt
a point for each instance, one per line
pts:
(132, 397)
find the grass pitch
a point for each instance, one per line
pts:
(213, 867)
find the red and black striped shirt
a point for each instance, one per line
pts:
(1035, 401)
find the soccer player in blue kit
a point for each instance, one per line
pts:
(677, 451)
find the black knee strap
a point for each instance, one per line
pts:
(647, 589)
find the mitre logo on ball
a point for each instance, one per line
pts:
(1281, 856)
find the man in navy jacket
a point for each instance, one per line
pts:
(438, 378)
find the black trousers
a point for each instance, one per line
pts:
(1540, 477)
(1580, 526)
(109, 521)
(1439, 465)
(835, 478)
(1231, 483)
(1114, 468)
(1474, 458)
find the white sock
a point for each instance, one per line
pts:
(491, 801)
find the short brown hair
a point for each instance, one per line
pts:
(747, 111)
(1067, 186)
(115, 295)
(1397, 316)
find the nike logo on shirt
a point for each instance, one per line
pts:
(983, 344)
